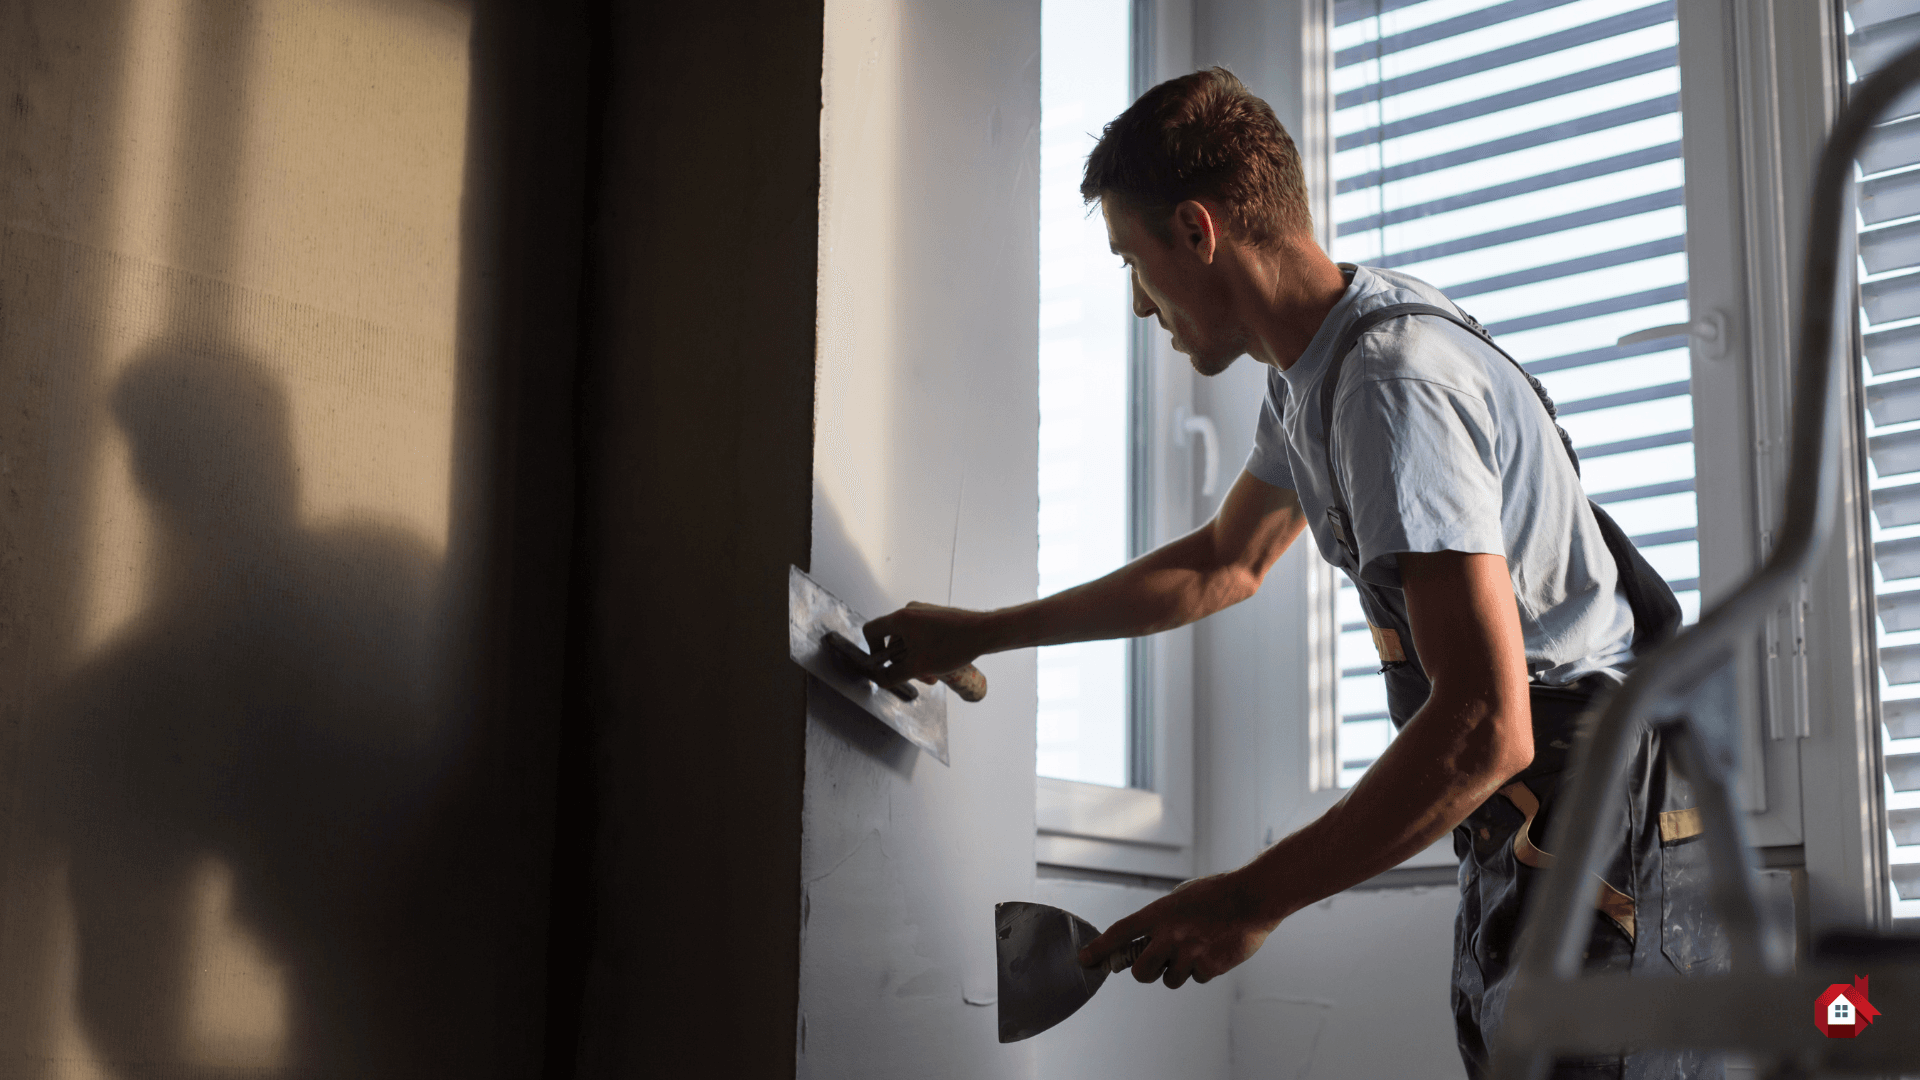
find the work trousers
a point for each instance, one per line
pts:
(1650, 913)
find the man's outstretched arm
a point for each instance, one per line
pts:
(1474, 733)
(1215, 566)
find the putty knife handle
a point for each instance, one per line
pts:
(968, 682)
(1123, 959)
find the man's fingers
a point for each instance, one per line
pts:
(876, 633)
(1118, 936)
(1176, 975)
(1153, 960)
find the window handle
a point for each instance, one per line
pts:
(1710, 330)
(1187, 424)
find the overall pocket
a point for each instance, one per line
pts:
(1690, 936)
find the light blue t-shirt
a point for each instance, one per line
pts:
(1442, 446)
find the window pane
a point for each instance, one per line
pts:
(1529, 166)
(1890, 169)
(1084, 323)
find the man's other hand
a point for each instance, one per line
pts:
(924, 641)
(1204, 928)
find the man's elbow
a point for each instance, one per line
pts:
(1501, 744)
(1511, 733)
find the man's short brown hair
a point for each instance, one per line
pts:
(1202, 136)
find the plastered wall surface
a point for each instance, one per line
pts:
(924, 488)
(259, 813)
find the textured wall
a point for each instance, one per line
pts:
(924, 472)
(278, 510)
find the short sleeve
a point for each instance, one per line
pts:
(1269, 462)
(1421, 473)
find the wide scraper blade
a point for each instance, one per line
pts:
(1041, 980)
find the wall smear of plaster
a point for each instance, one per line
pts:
(924, 488)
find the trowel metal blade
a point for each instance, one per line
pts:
(1041, 980)
(813, 613)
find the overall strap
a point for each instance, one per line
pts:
(1329, 382)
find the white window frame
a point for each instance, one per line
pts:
(1759, 86)
(1147, 831)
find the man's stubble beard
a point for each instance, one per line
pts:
(1214, 362)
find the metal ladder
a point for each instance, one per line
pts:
(1762, 1006)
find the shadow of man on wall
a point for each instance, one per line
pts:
(280, 707)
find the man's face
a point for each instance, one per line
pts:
(1175, 284)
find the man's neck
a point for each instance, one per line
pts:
(1293, 290)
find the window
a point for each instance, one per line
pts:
(1113, 725)
(1889, 209)
(1088, 493)
(1525, 157)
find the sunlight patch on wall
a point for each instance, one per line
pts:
(237, 996)
(860, 151)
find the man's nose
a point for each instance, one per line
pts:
(1142, 306)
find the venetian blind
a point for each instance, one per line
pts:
(1889, 206)
(1524, 156)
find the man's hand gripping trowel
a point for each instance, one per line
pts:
(821, 632)
(1041, 980)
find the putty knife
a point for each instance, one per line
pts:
(822, 632)
(1041, 980)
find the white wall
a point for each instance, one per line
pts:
(924, 489)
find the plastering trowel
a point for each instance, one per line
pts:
(1041, 980)
(822, 633)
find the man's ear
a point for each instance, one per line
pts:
(1195, 229)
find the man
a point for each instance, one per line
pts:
(1427, 466)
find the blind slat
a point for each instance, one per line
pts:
(1893, 350)
(1892, 146)
(1592, 309)
(1652, 249)
(1624, 397)
(1901, 664)
(1894, 403)
(1625, 208)
(1897, 506)
(1898, 559)
(1628, 446)
(1892, 248)
(1873, 46)
(1891, 299)
(1895, 454)
(1900, 611)
(1903, 718)
(1890, 197)
(1647, 491)
(1905, 826)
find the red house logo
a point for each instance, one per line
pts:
(1844, 1010)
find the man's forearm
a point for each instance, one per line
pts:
(1451, 757)
(1170, 586)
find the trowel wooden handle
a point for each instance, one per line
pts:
(968, 682)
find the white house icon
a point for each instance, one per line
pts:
(1840, 1011)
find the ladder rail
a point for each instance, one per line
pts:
(1550, 949)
